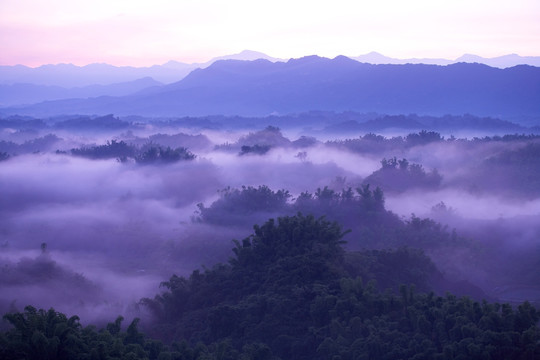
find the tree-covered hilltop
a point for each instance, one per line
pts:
(112, 149)
(291, 291)
(234, 205)
(149, 153)
(372, 143)
(477, 262)
(292, 287)
(35, 145)
(401, 175)
(362, 210)
(503, 165)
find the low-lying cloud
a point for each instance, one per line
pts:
(113, 230)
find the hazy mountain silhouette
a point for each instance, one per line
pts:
(69, 75)
(248, 55)
(377, 59)
(499, 61)
(260, 87)
(17, 94)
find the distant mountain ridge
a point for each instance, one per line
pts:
(17, 94)
(21, 85)
(417, 123)
(261, 87)
(502, 62)
(69, 75)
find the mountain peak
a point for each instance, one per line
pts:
(252, 53)
(469, 58)
(248, 55)
(173, 64)
(305, 59)
(376, 58)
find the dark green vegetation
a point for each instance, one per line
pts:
(377, 144)
(112, 149)
(40, 334)
(35, 145)
(293, 289)
(290, 291)
(234, 205)
(361, 210)
(255, 149)
(147, 154)
(503, 165)
(82, 123)
(400, 175)
(330, 121)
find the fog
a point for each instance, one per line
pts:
(463, 204)
(94, 236)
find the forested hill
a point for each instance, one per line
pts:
(290, 292)
(260, 87)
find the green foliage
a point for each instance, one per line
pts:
(148, 154)
(292, 236)
(156, 155)
(234, 205)
(340, 205)
(40, 334)
(264, 139)
(290, 291)
(400, 175)
(361, 210)
(40, 144)
(507, 165)
(111, 150)
(423, 137)
(376, 144)
(255, 149)
(393, 267)
(50, 335)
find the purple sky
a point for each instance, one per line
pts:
(131, 32)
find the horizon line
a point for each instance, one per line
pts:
(264, 55)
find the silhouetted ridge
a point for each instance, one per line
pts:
(259, 88)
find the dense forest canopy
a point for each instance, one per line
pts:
(289, 291)
(393, 244)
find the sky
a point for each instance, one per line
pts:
(146, 32)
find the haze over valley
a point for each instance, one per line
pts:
(151, 192)
(161, 200)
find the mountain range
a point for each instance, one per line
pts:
(24, 93)
(502, 62)
(20, 85)
(70, 76)
(261, 87)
